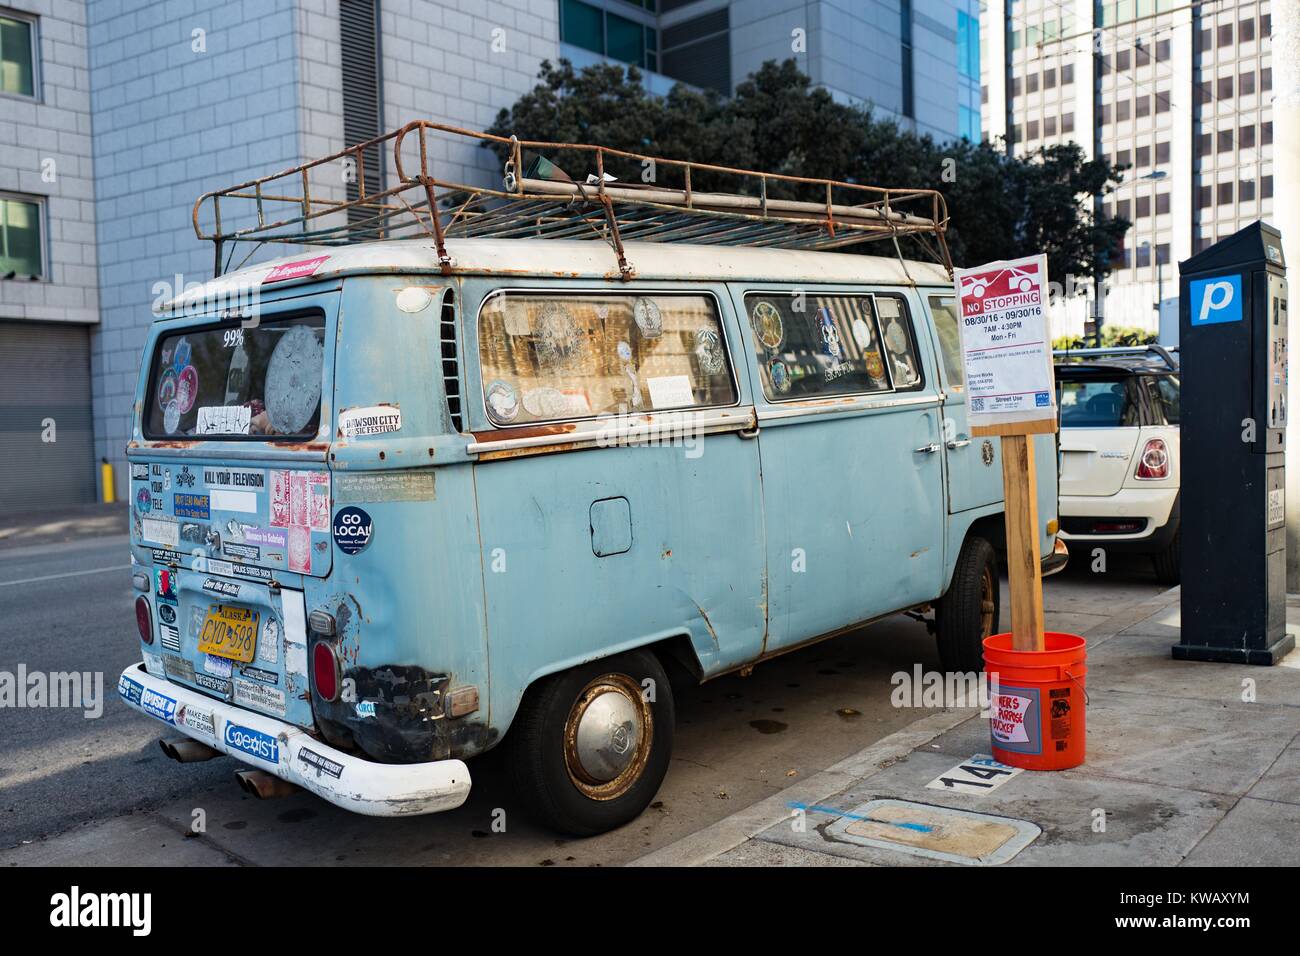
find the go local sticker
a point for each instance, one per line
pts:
(352, 529)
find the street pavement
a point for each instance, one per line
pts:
(83, 790)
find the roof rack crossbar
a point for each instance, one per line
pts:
(302, 204)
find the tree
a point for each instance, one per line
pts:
(1000, 206)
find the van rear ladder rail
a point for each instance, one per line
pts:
(759, 212)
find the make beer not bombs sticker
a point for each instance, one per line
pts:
(371, 420)
(293, 380)
(352, 530)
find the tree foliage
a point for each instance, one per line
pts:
(1000, 206)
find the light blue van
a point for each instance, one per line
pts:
(408, 514)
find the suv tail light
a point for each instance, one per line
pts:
(144, 619)
(1154, 462)
(325, 671)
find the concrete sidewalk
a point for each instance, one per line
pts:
(64, 524)
(1188, 763)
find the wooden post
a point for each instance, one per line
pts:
(1020, 492)
(1020, 486)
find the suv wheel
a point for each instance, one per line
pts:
(590, 746)
(1169, 562)
(969, 612)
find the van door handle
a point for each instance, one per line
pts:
(748, 432)
(959, 443)
(929, 449)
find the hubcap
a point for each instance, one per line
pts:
(607, 737)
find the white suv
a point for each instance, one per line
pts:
(1119, 452)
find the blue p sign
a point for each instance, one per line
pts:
(1216, 300)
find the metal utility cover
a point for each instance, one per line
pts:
(938, 833)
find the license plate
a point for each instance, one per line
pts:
(229, 632)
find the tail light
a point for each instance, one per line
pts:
(325, 670)
(1154, 462)
(144, 619)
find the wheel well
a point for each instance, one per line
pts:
(993, 529)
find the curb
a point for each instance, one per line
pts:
(730, 832)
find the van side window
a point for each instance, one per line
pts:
(811, 345)
(944, 308)
(900, 346)
(546, 357)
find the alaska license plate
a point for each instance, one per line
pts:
(229, 632)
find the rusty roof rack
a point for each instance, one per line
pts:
(739, 208)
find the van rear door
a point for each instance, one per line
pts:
(231, 498)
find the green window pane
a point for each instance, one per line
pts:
(626, 39)
(16, 71)
(583, 26)
(20, 237)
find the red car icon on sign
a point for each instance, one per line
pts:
(1005, 281)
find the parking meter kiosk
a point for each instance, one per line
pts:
(1233, 351)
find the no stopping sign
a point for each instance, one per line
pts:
(352, 530)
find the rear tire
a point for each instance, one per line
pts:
(1169, 562)
(969, 612)
(587, 751)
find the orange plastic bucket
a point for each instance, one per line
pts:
(1038, 713)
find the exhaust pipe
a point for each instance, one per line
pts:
(263, 785)
(186, 750)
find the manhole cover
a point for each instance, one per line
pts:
(939, 833)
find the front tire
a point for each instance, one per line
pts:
(969, 612)
(590, 746)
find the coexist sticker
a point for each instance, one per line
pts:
(352, 530)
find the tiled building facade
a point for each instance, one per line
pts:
(1178, 93)
(142, 105)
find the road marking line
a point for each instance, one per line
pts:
(66, 574)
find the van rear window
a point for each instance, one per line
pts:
(578, 355)
(228, 381)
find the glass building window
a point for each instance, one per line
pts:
(20, 237)
(17, 56)
(968, 45)
(608, 34)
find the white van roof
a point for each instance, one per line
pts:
(578, 259)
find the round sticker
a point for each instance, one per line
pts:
(171, 418)
(187, 388)
(895, 337)
(413, 299)
(649, 320)
(166, 613)
(862, 333)
(502, 402)
(768, 326)
(167, 387)
(293, 380)
(780, 376)
(142, 502)
(708, 349)
(625, 351)
(352, 530)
